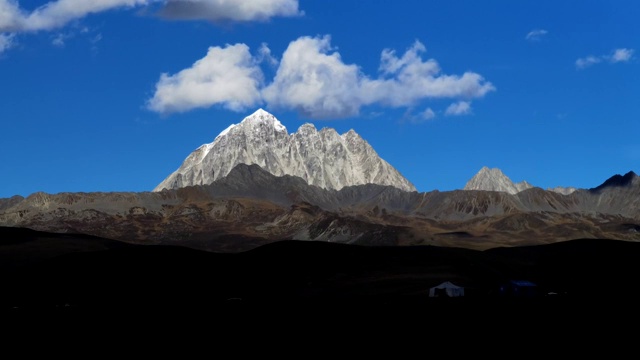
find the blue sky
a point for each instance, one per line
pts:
(112, 95)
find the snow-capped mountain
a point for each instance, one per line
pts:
(494, 180)
(323, 158)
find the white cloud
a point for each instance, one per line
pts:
(390, 63)
(6, 41)
(420, 117)
(227, 76)
(536, 34)
(585, 62)
(60, 39)
(617, 55)
(408, 79)
(428, 114)
(458, 108)
(621, 55)
(10, 15)
(312, 79)
(56, 14)
(96, 39)
(264, 54)
(230, 10)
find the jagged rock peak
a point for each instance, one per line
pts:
(322, 158)
(494, 180)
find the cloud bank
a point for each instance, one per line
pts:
(616, 56)
(312, 79)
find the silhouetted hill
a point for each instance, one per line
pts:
(23, 247)
(616, 181)
(99, 276)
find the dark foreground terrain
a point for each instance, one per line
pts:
(78, 275)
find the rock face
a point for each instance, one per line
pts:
(494, 180)
(323, 158)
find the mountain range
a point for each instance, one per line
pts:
(257, 184)
(251, 207)
(315, 219)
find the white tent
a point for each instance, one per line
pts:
(448, 288)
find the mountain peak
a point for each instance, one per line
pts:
(307, 128)
(486, 171)
(264, 117)
(320, 158)
(495, 180)
(351, 134)
(617, 181)
(261, 113)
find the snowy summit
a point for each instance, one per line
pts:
(322, 158)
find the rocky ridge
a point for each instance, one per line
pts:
(250, 207)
